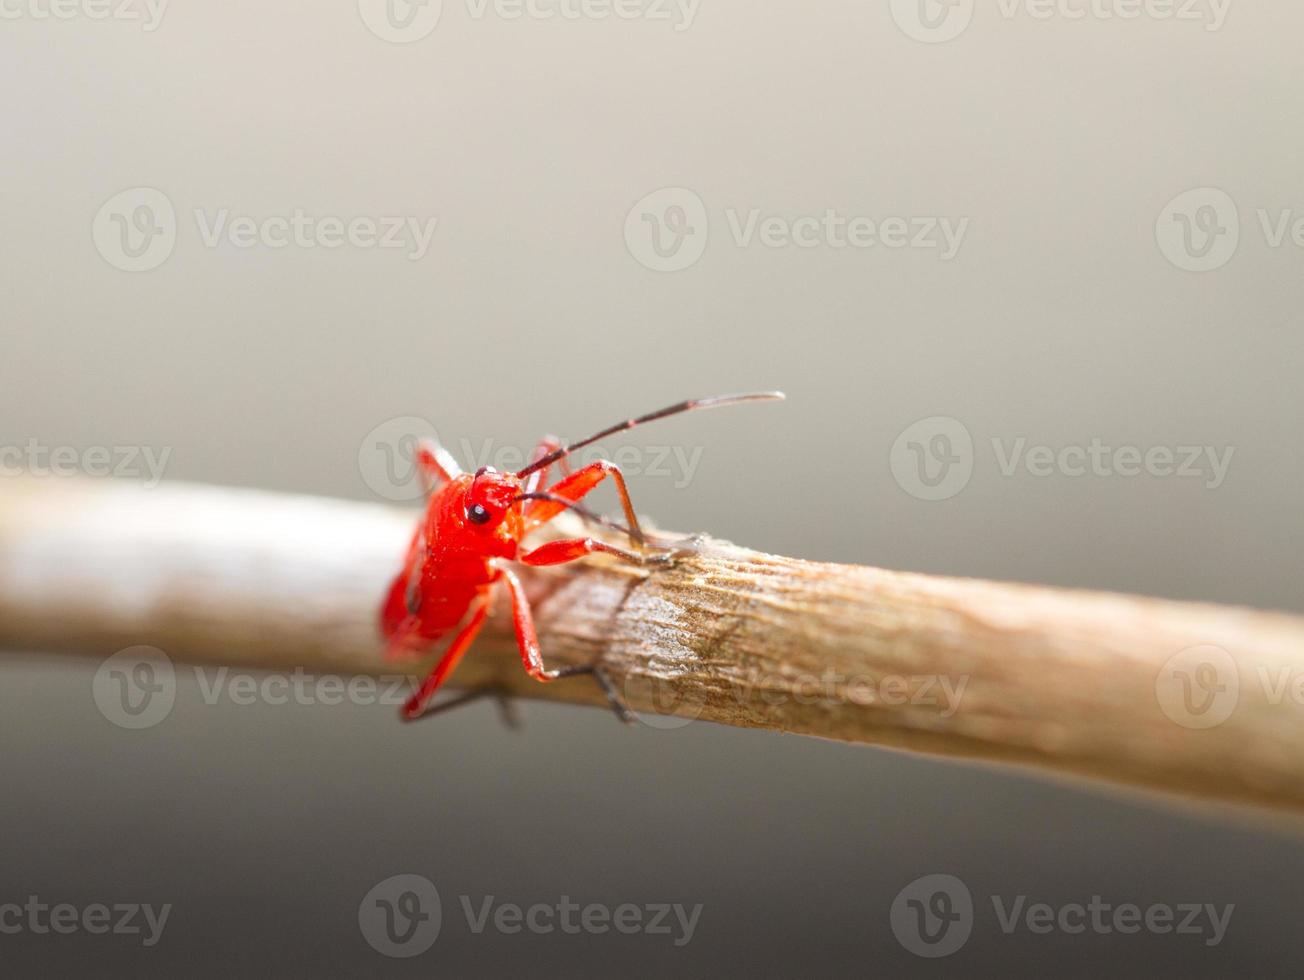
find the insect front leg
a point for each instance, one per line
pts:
(528, 641)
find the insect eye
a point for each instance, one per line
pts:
(477, 514)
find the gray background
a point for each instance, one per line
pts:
(1059, 321)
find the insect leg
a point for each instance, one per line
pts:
(506, 706)
(579, 484)
(405, 640)
(417, 703)
(539, 477)
(570, 549)
(528, 641)
(435, 464)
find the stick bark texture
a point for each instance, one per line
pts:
(1196, 699)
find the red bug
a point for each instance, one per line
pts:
(474, 524)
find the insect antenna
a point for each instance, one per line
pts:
(717, 401)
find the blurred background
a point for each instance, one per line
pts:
(254, 242)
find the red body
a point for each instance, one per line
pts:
(451, 559)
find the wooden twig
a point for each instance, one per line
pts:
(1081, 683)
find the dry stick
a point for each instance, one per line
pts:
(1082, 683)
